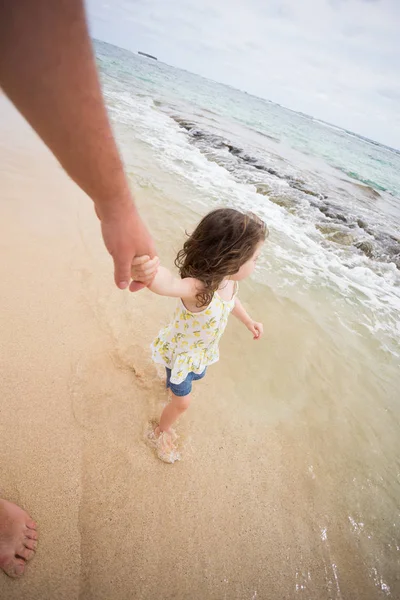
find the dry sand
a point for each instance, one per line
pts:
(77, 390)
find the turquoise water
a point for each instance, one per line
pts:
(335, 235)
(366, 161)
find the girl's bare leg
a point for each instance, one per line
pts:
(172, 412)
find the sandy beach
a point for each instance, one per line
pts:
(260, 505)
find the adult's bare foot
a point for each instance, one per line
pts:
(18, 538)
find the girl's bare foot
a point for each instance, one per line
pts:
(163, 443)
(18, 538)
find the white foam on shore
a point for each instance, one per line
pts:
(294, 262)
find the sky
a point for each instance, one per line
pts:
(337, 60)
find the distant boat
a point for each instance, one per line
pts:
(148, 55)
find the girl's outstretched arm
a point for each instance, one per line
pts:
(163, 283)
(240, 313)
(166, 284)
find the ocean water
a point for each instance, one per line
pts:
(331, 200)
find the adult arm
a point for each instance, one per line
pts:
(47, 69)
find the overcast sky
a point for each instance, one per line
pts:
(338, 60)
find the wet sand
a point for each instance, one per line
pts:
(258, 508)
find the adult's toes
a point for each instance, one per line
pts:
(14, 567)
(31, 534)
(30, 544)
(31, 524)
(26, 553)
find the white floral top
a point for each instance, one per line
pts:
(190, 342)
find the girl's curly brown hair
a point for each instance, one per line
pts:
(222, 242)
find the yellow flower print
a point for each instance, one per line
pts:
(210, 323)
(177, 337)
(191, 339)
(186, 316)
(164, 348)
(197, 344)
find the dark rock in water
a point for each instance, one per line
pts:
(365, 246)
(396, 261)
(248, 159)
(273, 172)
(188, 125)
(219, 142)
(341, 237)
(283, 201)
(314, 203)
(263, 188)
(213, 141)
(251, 160)
(196, 132)
(362, 224)
(298, 186)
(386, 240)
(237, 152)
(394, 250)
(331, 213)
(328, 228)
(261, 167)
(294, 180)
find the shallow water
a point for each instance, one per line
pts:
(325, 381)
(332, 239)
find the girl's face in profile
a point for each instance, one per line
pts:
(247, 269)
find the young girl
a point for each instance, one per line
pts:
(222, 250)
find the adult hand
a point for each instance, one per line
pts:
(126, 237)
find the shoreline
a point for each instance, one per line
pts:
(259, 505)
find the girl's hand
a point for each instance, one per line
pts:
(144, 269)
(256, 329)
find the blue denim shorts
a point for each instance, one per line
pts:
(185, 387)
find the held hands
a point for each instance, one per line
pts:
(144, 269)
(256, 329)
(126, 237)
